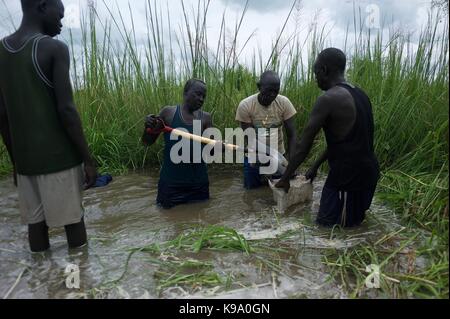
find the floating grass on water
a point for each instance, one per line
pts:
(210, 237)
(213, 238)
(191, 273)
(400, 277)
(15, 283)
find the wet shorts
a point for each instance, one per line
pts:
(54, 198)
(252, 178)
(347, 209)
(170, 195)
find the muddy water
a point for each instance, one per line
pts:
(123, 216)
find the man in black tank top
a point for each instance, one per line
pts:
(344, 112)
(41, 128)
(181, 183)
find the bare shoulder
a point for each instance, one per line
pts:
(208, 120)
(167, 113)
(325, 100)
(53, 43)
(207, 115)
(338, 93)
(55, 47)
(167, 110)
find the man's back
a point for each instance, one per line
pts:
(344, 112)
(342, 115)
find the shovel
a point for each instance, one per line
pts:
(273, 154)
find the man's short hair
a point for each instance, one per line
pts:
(334, 59)
(28, 4)
(189, 84)
(269, 73)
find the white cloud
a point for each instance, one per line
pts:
(265, 18)
(260, 6)
(72, 16)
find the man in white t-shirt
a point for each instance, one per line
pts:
(269, 111)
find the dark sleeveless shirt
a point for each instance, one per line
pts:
(353, 163)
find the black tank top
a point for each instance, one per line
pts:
(353, 163)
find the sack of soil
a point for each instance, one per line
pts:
(301, 191)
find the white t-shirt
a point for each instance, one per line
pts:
(261, 117)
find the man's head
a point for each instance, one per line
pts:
(329, 66)
(269, 87)
(194, 94)
(48, 13)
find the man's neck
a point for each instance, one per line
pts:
(30, 27)
(338, 80)
(188, 110)
(259, 101)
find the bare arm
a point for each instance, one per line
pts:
(4, 128)
(67, 111)
(291, 136)
(312, 172)
(208, 122)
(320, 160)
(6, 136)
(315, 124)
(244, 127)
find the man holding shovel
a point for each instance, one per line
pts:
(181, 182)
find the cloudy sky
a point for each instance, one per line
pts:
(264, 18)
